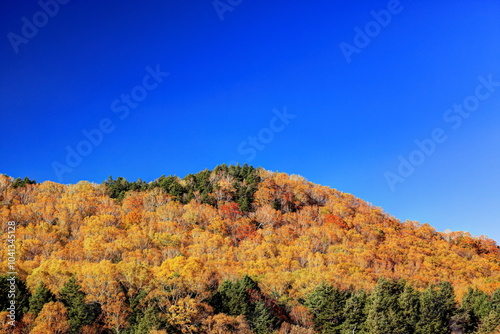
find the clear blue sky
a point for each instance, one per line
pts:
(353, 120)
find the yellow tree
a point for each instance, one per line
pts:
(5, 326)
(170, 216)
(99, 235)
(80, 200)
(100, 282)
(135, 276)
(52, 272)
(53, 318)
(47, 195)
(5, 185)
(132, 207)
(225, 324)
(187, 315)
(180, 277)
(39, 240)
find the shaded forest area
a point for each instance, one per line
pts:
(236, 250)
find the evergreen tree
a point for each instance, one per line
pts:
(327, 304)
(198, 183)
(495, 301)
(262, 320)
(385, 314)
(17, 183)
(137, 312)
(355, 313)
(233, 298)
(491, 322)
(150, 320)
(409, 302)
(247, 184)
(117, 188)
(171, 185)
(41, 296)
(243, 297)
(461, 322)
(437, 306)
(79, 313)
(246, 180)
(475, 306)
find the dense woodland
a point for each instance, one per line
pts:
(236, 250)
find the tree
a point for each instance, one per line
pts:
(150, 320)
(409, 301)
(233, 298)
(5, 185)
(437, 305)
(243, 297)
(138, 249)
(17, 183)
(187, 314)
(99, 281)
(385, 314)
(171, 184)
(355, 312)
(327, 304)
(79, 313)
(491, 322)
(41, 296)
(52, 319)
(262, 320)
(119, 187)
(474, 307)
(266, 216)
(225, 324)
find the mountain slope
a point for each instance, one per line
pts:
(172, 238)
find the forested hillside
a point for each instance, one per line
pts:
(236, 250)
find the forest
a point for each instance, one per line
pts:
(236, 249)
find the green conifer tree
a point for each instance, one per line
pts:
(437, 306)
(262, 320)
(327, 304)
(151, 319)
(355, 313)
(491, 322)
(384, 310)
(79, 313)
(41, 296)
(409, 302)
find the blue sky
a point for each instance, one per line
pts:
(269, 84)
